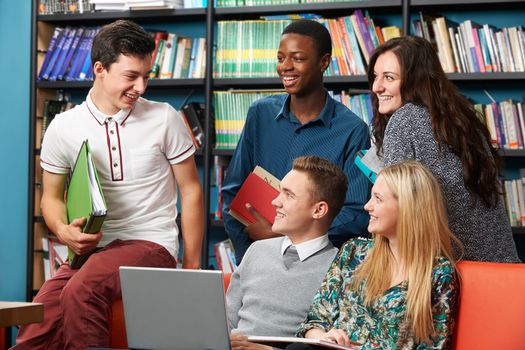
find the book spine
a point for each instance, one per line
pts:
(71, 52)
(70, 34)
(50, 50)
(56, 53)
(367, 39)
(477, 50)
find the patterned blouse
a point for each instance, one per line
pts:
(382, 325)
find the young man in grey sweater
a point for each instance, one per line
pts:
(271, 290)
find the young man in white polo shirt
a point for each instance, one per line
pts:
(271, 290)
(143, 153)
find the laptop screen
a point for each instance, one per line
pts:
(174, 309)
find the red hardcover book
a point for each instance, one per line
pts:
(259, 189)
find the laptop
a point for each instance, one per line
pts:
(174, 309)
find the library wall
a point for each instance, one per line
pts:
(15, 19)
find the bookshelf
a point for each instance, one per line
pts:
(398, 12)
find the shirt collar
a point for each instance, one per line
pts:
(120, 117)
(308, 248)
(325, 117)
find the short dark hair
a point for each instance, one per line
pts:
(315, 30)
(329, 182)
(120, 37)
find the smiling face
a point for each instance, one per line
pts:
(295, 205)
(387, 83)
(383, 210)
(298, 64)
(119, 86)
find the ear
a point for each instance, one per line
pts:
(325, 61)
(320, 210)
(98, 69)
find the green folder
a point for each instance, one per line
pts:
(85, 198)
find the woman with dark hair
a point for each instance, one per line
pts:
(419, 114)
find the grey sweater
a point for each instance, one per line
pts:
(485, 232)
(264, 298)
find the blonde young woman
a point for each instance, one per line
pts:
(399, 290)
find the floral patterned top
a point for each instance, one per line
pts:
(382, 325)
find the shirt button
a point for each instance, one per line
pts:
(114, 148)
(115, 165)
(110, 119)
(111, 132)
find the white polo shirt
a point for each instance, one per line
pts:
(133, 151)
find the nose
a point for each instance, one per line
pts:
(277, 201)
(140, 85)
(377, 86)
(368, 206)
(286, 64)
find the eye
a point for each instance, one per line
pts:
(389, 78)
(298, 59)
(280, 59)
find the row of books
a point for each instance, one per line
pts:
(469, 47)
(505, 121)
(54, 253)
(68, 56)
(225, 256)
(514, 199)
(231, 108)
(233, 3)
(52, 108)
(126, 5)
(48, 7)
(178, 57)
(238, 55)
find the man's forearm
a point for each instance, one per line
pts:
(192, 222)
(55, 215)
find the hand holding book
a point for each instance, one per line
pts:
(261, 228)
(258, 190)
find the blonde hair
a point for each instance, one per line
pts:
(422, 234)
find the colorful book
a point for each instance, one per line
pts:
(259, 190)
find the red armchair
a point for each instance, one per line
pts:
(491, 313)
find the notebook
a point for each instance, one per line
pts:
(174, 309)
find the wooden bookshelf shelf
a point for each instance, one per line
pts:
(486, 76)
(143, 16)
(222, 152)
(511, 153)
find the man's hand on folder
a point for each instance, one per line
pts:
(72, 236)
(261, 228)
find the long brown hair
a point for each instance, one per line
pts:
(455, 122)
